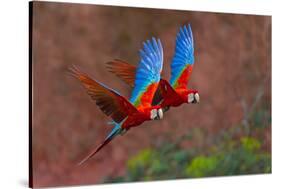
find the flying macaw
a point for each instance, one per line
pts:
(176, 92)
(128, 113)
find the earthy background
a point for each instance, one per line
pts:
(228, 133)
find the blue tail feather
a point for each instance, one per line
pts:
(115, 131)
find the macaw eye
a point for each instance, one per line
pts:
(190, 98)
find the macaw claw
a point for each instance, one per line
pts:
(165, 109)
(123, 132)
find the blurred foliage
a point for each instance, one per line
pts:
(261, 118)
(244, 157)
(232, 152)
(250, 144)
(201, 166)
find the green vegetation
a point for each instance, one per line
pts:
(201, 166)
(244, 157)
(231, 152)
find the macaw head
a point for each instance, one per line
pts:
(193, 97)
(156, 114)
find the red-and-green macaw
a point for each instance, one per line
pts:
(176, 92)
(128, 113)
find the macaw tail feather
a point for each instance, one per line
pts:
(115, 131)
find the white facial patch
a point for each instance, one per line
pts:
(190, 98)
(153, 114)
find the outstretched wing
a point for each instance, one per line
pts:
(148, 73)
(127, 72)
(108, 100)
(123, 70)
(183, 60)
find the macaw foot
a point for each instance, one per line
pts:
(166, 108)
(123, 132)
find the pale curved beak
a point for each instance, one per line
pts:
(160, 113)
(197, 98)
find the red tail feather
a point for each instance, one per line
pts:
(95, 151)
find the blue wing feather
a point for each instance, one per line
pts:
(184, 53)
(149, 68)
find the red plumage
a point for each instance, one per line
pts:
(124, 114)
(165, 95)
